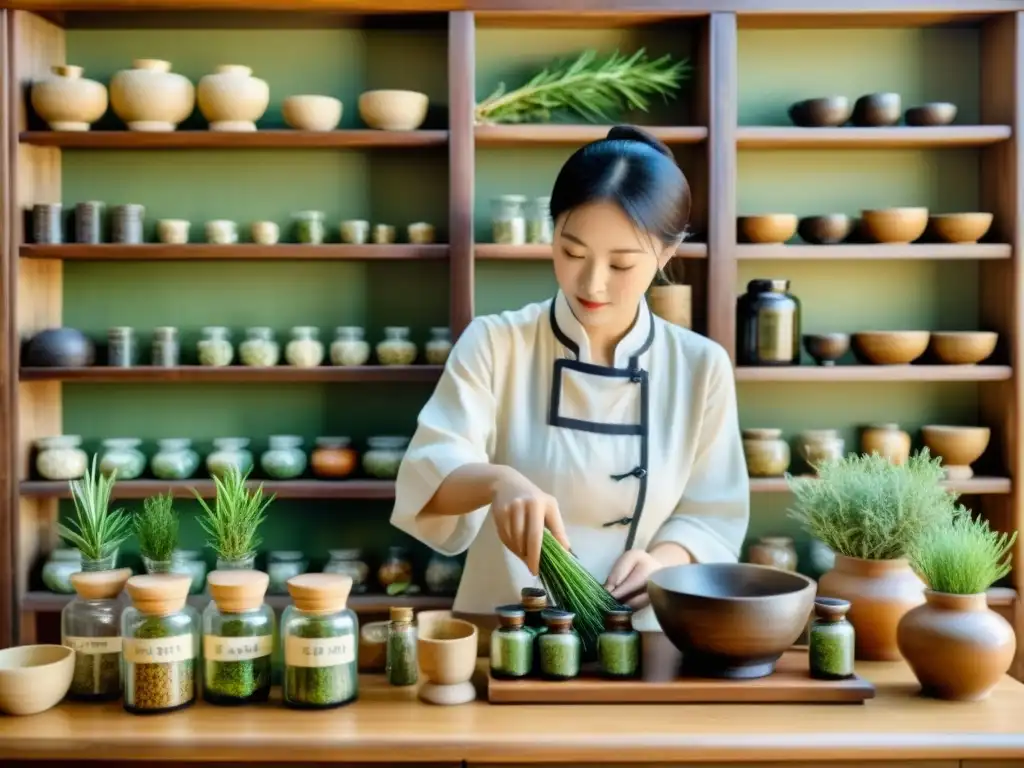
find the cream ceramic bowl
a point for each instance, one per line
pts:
(34, 678)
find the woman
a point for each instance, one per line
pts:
(585, 414)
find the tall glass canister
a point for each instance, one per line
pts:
(91, 625)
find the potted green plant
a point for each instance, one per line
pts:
(871, 513)
(95, 530)
(956, 645)
(234, 519)
(156, 528)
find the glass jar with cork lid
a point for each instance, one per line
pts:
(238, 638)
(402, 666)
(320, 636)
(90, 624)
(511, 644)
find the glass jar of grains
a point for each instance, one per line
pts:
(560, 647)
(309, 227)
(90, 624)
(396, 348)
(402, 663)
(60, 457)
(351, 563)
(830, 640)
(349, 346)
(214, 347)
(305, 350)
(439, 346)
(260, 349)
(229, 452)
(508, 219)
(121, 455)
(174, 459)
(540, 228)
(166, 349)
(511, 644)
(284, 459)
(618, 647)
(384, 456)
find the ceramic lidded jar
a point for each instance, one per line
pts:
(831, 640)
(304, 350)
(214, 348)
(229, 452)
(174, 459)
(333, 458)
(439, 347)
(396, 348)
(231, 99)
(284, 459)
(122, 455)
(67, 101)
(191, 563)
(775, 551)
(766, 451)
(396, 568)
(888, 441)
(259, 349)
(384, 456)
(349, 562)
(819, 445)
(283, 565)
(149, 97)
(443, 574)
(58, 569)
(60, 457)
(349, 346)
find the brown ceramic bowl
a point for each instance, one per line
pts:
(826, 348)
(960, 227)
(767, 228)
(963, 347)
(959, 447)
(731, 620)
(932, 114)
(890, 347)
(829, 229)
(894, 225)
(825, 112)
(877, 110)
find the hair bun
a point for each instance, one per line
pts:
(632, 133)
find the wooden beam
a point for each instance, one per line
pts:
(461, 160)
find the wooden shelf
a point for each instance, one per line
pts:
(266, 139)
(238, 374)
(542, 252)
(873, 252)
(240, 252)
(880, 373)
(182, 489)
(900, 137)
(975, 485)
(521, 135)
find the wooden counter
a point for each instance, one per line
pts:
(390, 725)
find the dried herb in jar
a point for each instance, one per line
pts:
(402, 663)
(322, 686)
(239, 681)
(159, 686)
(96, 675)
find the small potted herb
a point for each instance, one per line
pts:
(95, 530)
(156, 528)
(872, 513)
(234, 519)
(956, 645)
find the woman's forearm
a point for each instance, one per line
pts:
(468, 488)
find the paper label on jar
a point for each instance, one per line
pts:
(319, 651)
(158, 650)
(92, 645)
(237, 648)
(775, 341)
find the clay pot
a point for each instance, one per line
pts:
(880, 593)
(59, 348)
(231, 99)
(67, 101)
(888, 441)
(957, 446)
(672, 303)
(774, 551)
(766, 452)
(149, 97)
(826, 348)
(956, 646)
(333, 458)
(819, 445)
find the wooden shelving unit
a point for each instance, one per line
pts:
(498, 252)
(266, 139)
(902, 137)
(236, 374)
(936, 252)
(240, 252)
(183, 489)
(879, 373)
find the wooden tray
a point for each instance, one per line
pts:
(790, 684)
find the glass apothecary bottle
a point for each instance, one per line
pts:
(384, 456)
(122, 455)
(59, 567)
(174, 459)
(320, 637)
(830, 640)
(122, 347)
(768, 324)
(91, 625)
(559, 647)
(349, 562)
(396, 567)
(165, 349)
(511, 644)
(282, 565)
(333, 458)
(443, 574)
(439, 347)
(349, 346)
(229, 452)
(305, 350)
(190, 562)
(238, 638)
(309, 227)
(214, 347)
(284, 459)
(540, 228)
(396, 348)
(60, 457)
(160, 636)
(508, 219)
(402, 665)
(260, 349)
(618, 647)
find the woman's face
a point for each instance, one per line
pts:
(604, 265)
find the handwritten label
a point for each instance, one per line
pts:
(319, 651)
(236, 648)
(158, 650)
(92, 645)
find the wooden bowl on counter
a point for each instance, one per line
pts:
(768, 227)
(824, 112)
(828, 229)
(34, 678)
(959, 447)
(960, 227)
(447, 651)
(877, 110)
(894, 225)
(932, 114)
(890, 347)
(730, 620)
(963, 347)
(826, 348)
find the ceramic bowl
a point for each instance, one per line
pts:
(890, 347)
(931, 114)
(731, 620)
(34, 678)
(824, 112)
(894, 225)
(392, 110)
(767, 228)
(447, 651)
(963, 347)
(959, 447)
(960, 227)
(829, 229)
(877, 110)
(308, 112)
(826, 348)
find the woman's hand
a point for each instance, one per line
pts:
(627, 580)
(522, 511)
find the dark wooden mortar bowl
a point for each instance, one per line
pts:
(830, 229)
(824, 112)
(826, 348)
(731, 620)
(932, 114)
(877, 110)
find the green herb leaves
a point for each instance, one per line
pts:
(95, 530)
(963, 557)
(156, 527)
(236, 516)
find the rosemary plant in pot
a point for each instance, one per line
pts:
(156, 528)
(234, 519)
(871, 513)
(956, 645)
(95, 530)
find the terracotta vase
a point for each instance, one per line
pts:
(956, 646)
(231, 99)
(880, 593)
(149, 97)
(888, 441)
(67, 101)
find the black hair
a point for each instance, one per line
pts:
(633, 169)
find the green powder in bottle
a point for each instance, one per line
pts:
(511, 644)
(618, 647)
(560, 647)
(402, 666)
(831, 640)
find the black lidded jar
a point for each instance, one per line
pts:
(768, 324)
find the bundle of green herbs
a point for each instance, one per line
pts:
(572, 588)
(96, 530)
(588, 87)
(233, 521)
(963, 557)
(156, 528)
(869, 508)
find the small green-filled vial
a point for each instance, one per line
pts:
(559, 647)
(402, 663)
(511, 644)
(831, 640)
(618, 647)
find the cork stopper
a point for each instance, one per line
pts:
(533, 598)
(618, 619)
(558, 621)
(831, 608)
(159, 594)
(320, 592)
(401, 613)
(511, 616)
(100, 585)
(238, 591)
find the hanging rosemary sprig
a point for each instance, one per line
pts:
(590, 87)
